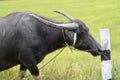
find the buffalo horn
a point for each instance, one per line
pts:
(66, 15)
(69, 26)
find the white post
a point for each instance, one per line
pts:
(105, 57)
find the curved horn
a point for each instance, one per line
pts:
(68, 26)
(64, 14)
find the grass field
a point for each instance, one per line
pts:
(76, 65)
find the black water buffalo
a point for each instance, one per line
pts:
(26, 38)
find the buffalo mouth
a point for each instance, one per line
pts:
(96, 52)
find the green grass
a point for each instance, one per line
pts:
(76, 65)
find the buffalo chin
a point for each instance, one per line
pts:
(96, 53)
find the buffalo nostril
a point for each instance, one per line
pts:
(100, 50)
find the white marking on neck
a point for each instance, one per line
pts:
(74, 38)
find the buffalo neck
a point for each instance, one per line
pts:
(52, 38)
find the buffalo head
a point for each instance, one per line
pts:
(77, 33)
